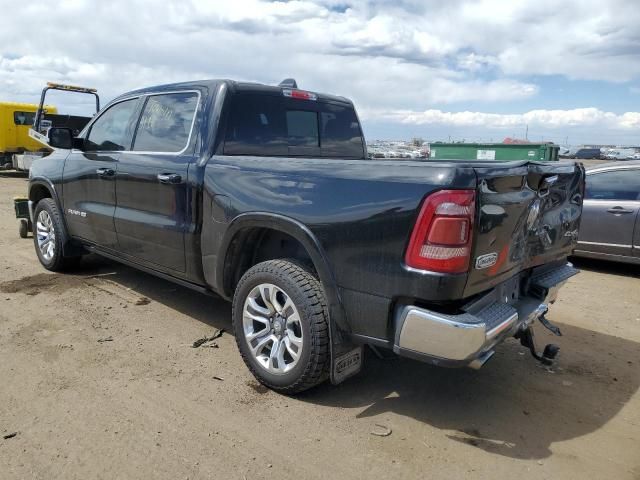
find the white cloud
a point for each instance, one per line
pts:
(409, 55)
(578, 117)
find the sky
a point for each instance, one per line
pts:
(565, 71)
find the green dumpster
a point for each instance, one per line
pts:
(499, 152)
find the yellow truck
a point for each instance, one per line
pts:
(24, 126)
(23, 136)
(15, 121)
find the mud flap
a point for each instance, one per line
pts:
(346, 364)
(346, 356)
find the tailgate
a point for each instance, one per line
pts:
(528, 215)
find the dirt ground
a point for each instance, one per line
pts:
(98, 380)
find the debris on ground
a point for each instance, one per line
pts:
(105, 339)
(203, 340)
(126, 294)
(9, 435)
(215, 377)
(381, 430)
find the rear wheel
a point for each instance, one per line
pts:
(281, 326)
(49, 236)
(23, 228)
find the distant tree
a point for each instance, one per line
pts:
(417, 141)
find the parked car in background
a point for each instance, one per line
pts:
(610, 227)
(619, 154)
(588, 153)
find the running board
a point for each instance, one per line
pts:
(151, 271)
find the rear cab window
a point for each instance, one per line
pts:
(272, 125)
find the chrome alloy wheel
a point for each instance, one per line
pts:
(46, 235)
(272, 328)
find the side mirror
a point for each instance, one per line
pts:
(78, 143)
(60, 137)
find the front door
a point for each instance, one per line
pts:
(152, 214)
(609, 212)
(89, 187)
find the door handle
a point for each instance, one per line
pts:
(170, 178)
(619, 210)
(105, 172)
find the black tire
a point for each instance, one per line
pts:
(23, 228)
(58, 262)
(305, 291)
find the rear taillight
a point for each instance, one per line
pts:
(441, 238)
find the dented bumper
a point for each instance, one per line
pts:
(468, 338)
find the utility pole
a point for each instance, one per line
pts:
(526, 133)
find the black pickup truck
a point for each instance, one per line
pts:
(264, 195)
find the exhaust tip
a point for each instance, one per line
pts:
(481, 360)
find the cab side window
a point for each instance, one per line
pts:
(166, 123)
(112, 130)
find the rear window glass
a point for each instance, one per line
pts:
(615, 185)
(341, 134)
(274, 126)
(302, 128)
(165, 123)
(257, 127)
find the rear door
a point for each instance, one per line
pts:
(610, 212)
(89, 189)
(528, 215)
(152, 214)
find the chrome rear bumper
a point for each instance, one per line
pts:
(468, 338)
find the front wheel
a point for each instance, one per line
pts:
(281, 326)
(49, 237)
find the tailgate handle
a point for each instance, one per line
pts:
(619, 210)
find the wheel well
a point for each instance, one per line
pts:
(251, 246)
(38, 192)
